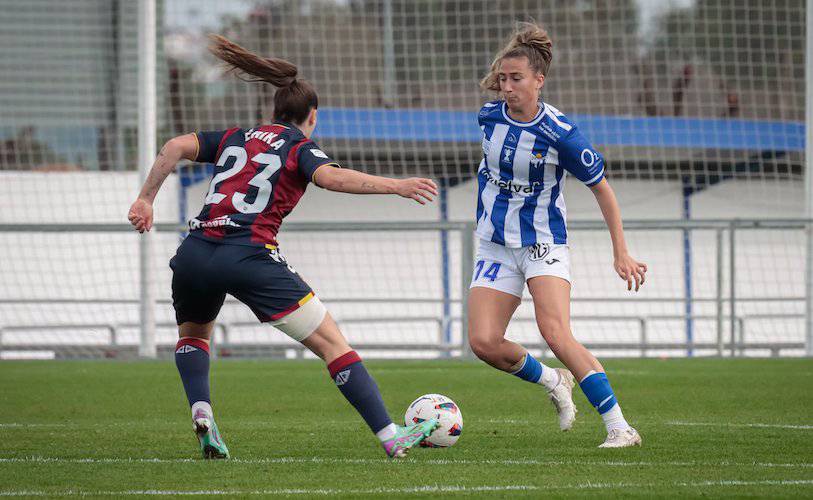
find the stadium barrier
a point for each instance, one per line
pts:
(397, 292)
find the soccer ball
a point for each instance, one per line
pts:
(445, 411)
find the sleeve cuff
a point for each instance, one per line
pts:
(313, 175)
(197, 146)
(595, 180)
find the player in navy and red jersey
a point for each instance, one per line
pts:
(281, 162)
(260, 175)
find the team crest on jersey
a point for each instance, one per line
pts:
(537, 160)
(511, 139)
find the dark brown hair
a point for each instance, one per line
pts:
(529, 40)
(293, 99)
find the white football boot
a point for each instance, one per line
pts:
(621, 438)
(562, 398)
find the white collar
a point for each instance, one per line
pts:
(531, 123)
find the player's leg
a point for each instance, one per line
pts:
(489, 313)
(359, 388)
(197, 301)
(279, 296)
(495, 294)
(551, 296)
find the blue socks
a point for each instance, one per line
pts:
(360, 389)
(598, 391)
(531, 369)
(537, 373)
(192, 360)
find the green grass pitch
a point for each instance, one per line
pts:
(100, 429)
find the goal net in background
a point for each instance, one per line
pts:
(697, 105)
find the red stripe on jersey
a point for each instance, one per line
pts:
(223, 139)
(225, 207)
(288, 189)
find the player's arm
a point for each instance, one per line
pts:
(578, 156)
(627, 267)
(346, 180)
(176, 149)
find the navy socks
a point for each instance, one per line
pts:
(192, 360)
(355, 384)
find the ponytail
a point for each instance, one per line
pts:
(294, 98)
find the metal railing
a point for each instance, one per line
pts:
(224, 343)
(731, 341)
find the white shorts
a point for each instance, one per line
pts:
(508, 269)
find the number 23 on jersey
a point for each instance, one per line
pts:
(270, 164)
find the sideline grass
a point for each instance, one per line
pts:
(101, 429)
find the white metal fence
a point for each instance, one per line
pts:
(397, 291)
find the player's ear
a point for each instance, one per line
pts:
(540, 80)
(312, 118)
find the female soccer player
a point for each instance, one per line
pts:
(260, 175)
(528, 147)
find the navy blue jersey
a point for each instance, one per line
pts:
(260, 175)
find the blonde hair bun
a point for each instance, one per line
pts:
(529, 40)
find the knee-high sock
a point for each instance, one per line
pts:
(597, 388)
(355, 384)
(192, 360)
(537, 373)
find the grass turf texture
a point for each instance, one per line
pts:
(109, 428)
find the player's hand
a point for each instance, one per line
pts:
(630, 270)
(418, 189)
(140, 215)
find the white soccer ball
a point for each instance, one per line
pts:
(445, 411)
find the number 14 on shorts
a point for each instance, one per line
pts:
(490, 273)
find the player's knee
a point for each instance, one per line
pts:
(201, 331)
(555, 332)
(484, 348)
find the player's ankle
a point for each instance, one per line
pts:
(614, 419)
(550, 378)
(386, 433)
(202, 408)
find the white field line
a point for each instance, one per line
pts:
(281, 491)
(13, 425)
(341, 423)
(416, 489)
(752, 425)
(383, 461)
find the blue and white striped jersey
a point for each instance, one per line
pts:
(520, 180)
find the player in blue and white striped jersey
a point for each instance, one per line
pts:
(529, 148)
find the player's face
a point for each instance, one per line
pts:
(520, 84)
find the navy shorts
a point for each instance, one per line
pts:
(203, 272)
